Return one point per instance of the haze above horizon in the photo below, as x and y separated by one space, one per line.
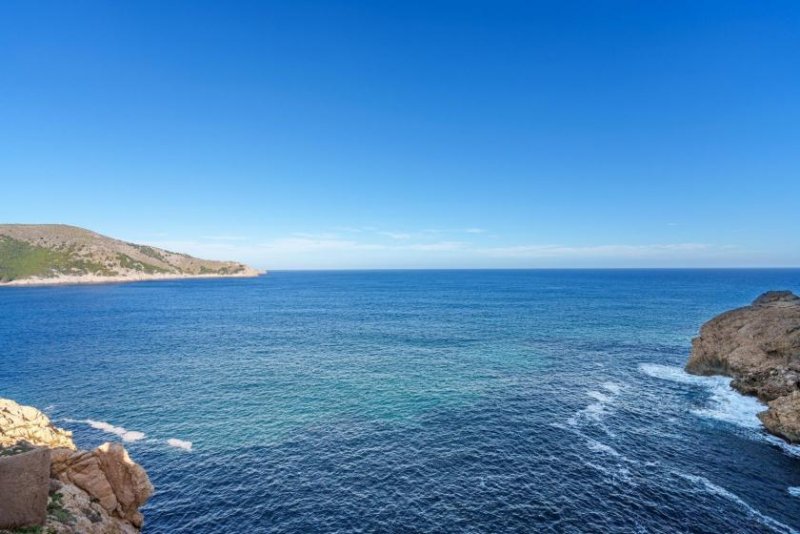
324 135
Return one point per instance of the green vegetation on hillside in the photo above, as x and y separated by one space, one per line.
149 251
19 259
126 262
221 270
58 253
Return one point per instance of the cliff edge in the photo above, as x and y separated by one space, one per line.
46 482
759 347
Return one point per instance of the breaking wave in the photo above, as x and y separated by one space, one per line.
122 432
724 404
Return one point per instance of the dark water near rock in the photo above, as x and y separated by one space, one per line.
438 401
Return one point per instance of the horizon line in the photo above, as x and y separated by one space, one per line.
369 269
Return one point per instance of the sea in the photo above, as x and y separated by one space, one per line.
485 401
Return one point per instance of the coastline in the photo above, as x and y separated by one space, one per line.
757 347
49 485
97 280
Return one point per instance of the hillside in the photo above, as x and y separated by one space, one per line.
55 253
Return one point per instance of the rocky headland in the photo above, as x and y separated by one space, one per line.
759 347
49 486
47 254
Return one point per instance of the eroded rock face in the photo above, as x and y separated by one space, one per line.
783 417
26 423
759 347
90 492
109 475
87 515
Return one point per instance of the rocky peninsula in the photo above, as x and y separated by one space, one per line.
48 486
48 254
759 347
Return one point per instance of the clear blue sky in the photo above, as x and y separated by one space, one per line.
410 134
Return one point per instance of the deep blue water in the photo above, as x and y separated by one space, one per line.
412 401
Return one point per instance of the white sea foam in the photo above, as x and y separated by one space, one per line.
673 373
595 411
122 432
623 474
719 491
129 435
597 446
725 404
794 491
179 443
125 434
599 397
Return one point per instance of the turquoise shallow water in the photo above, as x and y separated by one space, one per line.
411 401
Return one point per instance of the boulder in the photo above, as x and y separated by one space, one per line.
24 488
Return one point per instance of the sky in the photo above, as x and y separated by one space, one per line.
433 134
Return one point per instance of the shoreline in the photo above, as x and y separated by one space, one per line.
756 346
99 280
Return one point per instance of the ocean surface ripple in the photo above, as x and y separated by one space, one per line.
411 401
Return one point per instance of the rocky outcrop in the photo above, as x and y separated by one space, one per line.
759 347
93 492
783 417
26 423
81 513
109 475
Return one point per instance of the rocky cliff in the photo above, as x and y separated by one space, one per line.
59 254
46 482
759 347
